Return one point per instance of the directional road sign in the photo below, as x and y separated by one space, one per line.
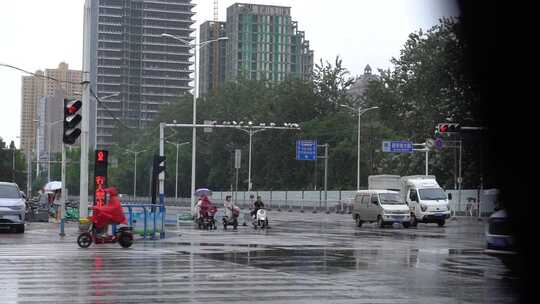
399 146
306 149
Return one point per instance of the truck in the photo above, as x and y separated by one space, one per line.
384 182
427 201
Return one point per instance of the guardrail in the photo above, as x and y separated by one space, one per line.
152 214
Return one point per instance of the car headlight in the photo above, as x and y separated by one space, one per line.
423 207
16 207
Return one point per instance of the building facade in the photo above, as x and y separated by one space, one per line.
212 57
264 44
44 84
132 61
32 90
360 85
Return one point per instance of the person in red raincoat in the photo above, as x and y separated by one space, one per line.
111 213
204 205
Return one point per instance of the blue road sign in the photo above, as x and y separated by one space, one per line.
306 149
399 146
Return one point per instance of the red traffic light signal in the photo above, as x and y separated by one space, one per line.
448 128
71 121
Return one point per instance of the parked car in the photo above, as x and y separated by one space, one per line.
12 207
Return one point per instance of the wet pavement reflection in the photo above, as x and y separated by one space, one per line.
303 258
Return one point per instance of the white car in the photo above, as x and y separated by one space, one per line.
12 207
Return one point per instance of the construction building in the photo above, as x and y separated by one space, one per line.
132 64
264 43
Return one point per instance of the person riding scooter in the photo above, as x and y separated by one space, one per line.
206 211
231 213
257 205
111 213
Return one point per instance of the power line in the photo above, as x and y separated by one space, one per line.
37 75
111 114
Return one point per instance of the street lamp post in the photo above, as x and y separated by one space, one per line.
194 140
95 117
135 171
176 180
359 112
13 154
250 132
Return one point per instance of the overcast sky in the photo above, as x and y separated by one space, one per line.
39 34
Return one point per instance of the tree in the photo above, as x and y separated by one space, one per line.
429 84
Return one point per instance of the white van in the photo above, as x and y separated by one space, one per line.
426 199
381 206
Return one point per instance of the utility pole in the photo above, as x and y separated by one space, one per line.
64 191
28 173
85 123
325 146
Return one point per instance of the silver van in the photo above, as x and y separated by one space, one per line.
382 206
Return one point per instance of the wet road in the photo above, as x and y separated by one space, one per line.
303 258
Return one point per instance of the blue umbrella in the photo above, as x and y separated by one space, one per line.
203 191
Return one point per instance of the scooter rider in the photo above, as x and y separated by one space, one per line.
258 204
229 206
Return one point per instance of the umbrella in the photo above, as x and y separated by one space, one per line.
51 186
203 191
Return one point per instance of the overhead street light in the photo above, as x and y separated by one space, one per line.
176 182
135 171
248 129
359 112
194 139
95 116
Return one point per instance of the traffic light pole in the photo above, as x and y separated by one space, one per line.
85 123
162 175
426 150
63 197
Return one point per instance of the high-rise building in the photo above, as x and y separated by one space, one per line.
31 92
49 127
68 80
132 61
264 43
208 63
42 85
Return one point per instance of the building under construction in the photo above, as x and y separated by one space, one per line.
133 64
264 43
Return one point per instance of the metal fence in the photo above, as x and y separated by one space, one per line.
469 203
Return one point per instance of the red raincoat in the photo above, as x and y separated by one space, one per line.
111 213
206 207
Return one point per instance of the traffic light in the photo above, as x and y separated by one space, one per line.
447 129
71 121
100 176
160 164
157 168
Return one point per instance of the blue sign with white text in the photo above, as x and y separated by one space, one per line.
398 146
306 149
